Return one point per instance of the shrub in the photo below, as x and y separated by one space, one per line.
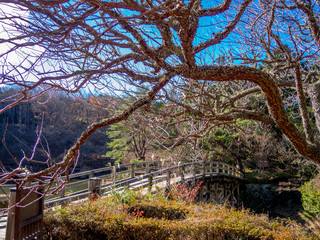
107 219
310 192
184 193
311 197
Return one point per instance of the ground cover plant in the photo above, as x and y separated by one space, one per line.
162 218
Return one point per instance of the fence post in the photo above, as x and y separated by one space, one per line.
204 169
150 178
10 219
200 193
219 168
91 174
62 192
193 168
211 167
132 171
25 220
94 186
183 169
147 168
114 174
168 178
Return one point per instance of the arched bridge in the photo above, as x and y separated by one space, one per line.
221 180
221 184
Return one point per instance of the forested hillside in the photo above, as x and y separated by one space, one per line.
60 119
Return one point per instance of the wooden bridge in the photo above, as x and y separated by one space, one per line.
221 184
221 180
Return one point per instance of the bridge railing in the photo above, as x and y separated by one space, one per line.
140 175
145 177
177 174
109 175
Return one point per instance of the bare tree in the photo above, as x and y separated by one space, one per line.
205 60
283 39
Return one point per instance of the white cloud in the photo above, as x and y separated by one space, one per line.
15 60
10 15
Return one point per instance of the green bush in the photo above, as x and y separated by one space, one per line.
162 219
310 192
311 197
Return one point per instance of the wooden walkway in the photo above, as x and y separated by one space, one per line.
151 175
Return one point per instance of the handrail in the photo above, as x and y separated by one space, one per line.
98 170
207 168
118 166
150 173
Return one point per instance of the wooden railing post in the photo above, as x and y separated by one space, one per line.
91 174
10 219
182 173
201 193
150 178
114 174
26 219
216 167
62 192
204 169
147 168
193 169
94 186
168 178
220 168
132 174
